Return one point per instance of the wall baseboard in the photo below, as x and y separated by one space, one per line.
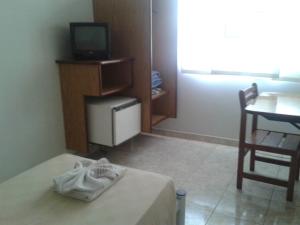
196 137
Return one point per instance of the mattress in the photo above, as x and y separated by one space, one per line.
139 198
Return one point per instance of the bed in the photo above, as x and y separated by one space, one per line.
139 198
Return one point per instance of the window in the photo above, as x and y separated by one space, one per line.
251 37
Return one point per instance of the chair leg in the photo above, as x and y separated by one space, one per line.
292 176
240 168
252 160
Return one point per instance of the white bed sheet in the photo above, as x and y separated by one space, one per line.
139 198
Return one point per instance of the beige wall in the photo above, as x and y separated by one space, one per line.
209 105
33 33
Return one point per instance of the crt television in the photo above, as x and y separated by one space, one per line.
90 41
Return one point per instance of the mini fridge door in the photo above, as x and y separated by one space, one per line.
126 123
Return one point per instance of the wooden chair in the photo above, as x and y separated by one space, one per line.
266 141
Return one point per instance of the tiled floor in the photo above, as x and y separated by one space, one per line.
207 171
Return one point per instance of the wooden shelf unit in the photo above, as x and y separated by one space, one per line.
146 30
82 79
109 90
159 95
157 119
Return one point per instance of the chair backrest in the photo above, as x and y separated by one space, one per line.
247 95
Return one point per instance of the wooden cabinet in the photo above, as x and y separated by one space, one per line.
147 31
82 79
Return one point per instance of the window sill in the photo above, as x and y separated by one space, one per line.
239 76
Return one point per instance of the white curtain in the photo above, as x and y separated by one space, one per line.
251 37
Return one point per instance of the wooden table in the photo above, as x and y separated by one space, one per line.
282 107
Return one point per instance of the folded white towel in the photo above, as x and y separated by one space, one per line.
88 179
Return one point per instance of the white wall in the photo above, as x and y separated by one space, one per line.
33 34
209 105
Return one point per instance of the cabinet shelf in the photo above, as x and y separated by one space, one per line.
111 89
95 62
157 118
157 96
82 79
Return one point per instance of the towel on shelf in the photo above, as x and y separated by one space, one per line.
156 79
156 91
88 179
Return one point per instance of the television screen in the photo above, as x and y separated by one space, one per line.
90 38
90 41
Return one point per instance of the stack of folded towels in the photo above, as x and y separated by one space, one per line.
156 79
88 179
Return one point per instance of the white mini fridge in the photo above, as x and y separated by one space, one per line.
113 120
